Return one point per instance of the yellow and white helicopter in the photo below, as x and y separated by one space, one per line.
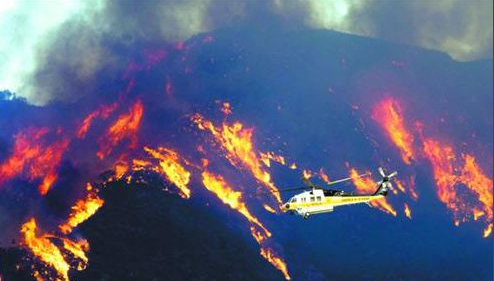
317 200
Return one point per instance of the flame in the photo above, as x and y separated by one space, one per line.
323 176
217 185
44 249
82 210
479 183
237 141
448 173
276 261
78 250
268 208
34 158
125 127
226 108
103 112
306 174
388 114
366 185
171 168
408 211
267 157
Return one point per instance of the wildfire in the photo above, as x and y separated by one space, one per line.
367 186
171 168
82 210
217 185
267 157
237 141
125 127
34 158
408 211
449 172
44 249
277 262
324 176
103 112
388 114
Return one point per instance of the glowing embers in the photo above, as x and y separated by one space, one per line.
169 165
36 155
82 210
368 186
125 127
450 170
56 254
217 185
388 114
237 142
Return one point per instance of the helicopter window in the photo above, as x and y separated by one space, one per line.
318 198
312 199
303 200
294 200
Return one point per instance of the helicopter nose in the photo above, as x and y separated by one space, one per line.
285 207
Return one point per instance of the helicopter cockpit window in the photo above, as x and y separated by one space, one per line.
294 200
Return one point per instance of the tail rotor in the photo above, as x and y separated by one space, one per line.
385 183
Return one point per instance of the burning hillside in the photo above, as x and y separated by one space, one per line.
88 189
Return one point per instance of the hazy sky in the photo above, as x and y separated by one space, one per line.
42 39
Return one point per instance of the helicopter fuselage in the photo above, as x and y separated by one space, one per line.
318 201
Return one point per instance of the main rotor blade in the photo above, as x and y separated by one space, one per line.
347 179
393 174
381 172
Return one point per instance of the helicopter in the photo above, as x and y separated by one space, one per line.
317 200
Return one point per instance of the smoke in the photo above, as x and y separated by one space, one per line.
60 50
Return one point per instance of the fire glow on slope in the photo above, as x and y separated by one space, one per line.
368 186
82 210
34 158
450 168
59 258
170 168
237 141
388 114
103 112
218 185
125 127
449 172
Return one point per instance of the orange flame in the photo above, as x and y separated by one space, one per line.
82 210
306 174
388 114
42 248
171 168
324 176
267 157
35 158
237 141
126 127
217 185
226 108
448 173
230 197
367 186
408 211
276 261
103 112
